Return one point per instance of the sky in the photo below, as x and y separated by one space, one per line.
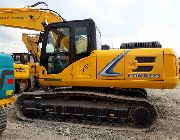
119 21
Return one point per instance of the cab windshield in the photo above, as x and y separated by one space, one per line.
58 49
58 40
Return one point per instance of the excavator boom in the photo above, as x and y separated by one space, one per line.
28 18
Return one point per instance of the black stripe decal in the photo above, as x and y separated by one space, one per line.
3 74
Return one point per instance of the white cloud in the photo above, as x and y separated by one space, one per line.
168 37
12 48
11 39
119 20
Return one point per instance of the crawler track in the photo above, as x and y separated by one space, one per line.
106 106
3 120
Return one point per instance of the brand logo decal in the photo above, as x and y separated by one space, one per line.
108 69
140 75
20 69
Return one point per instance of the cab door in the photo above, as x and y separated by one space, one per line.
57 51
144 64
65 43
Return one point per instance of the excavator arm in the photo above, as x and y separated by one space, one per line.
31 42
28 18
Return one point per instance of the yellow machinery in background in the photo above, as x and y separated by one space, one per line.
24 67
19 18
31 42
26 63
22 77
93 84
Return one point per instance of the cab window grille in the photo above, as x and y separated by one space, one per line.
143 69
135 45
145 59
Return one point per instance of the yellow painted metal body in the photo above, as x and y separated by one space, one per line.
33 68
21 71
85 72
7 102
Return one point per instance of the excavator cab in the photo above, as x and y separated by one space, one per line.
67 42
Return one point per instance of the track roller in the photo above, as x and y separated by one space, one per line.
141 116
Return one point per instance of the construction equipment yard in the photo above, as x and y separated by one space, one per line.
69 87
166 101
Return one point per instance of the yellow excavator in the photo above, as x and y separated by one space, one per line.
21 74
29 61
24 65
25 71
94 84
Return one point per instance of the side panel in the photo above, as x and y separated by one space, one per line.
123 74
85 68
171 72
110 64
144 64
61 79
21 71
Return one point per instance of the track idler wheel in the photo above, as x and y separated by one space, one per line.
142 116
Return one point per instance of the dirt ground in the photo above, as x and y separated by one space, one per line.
167 103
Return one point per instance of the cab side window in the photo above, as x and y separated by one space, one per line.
81 42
